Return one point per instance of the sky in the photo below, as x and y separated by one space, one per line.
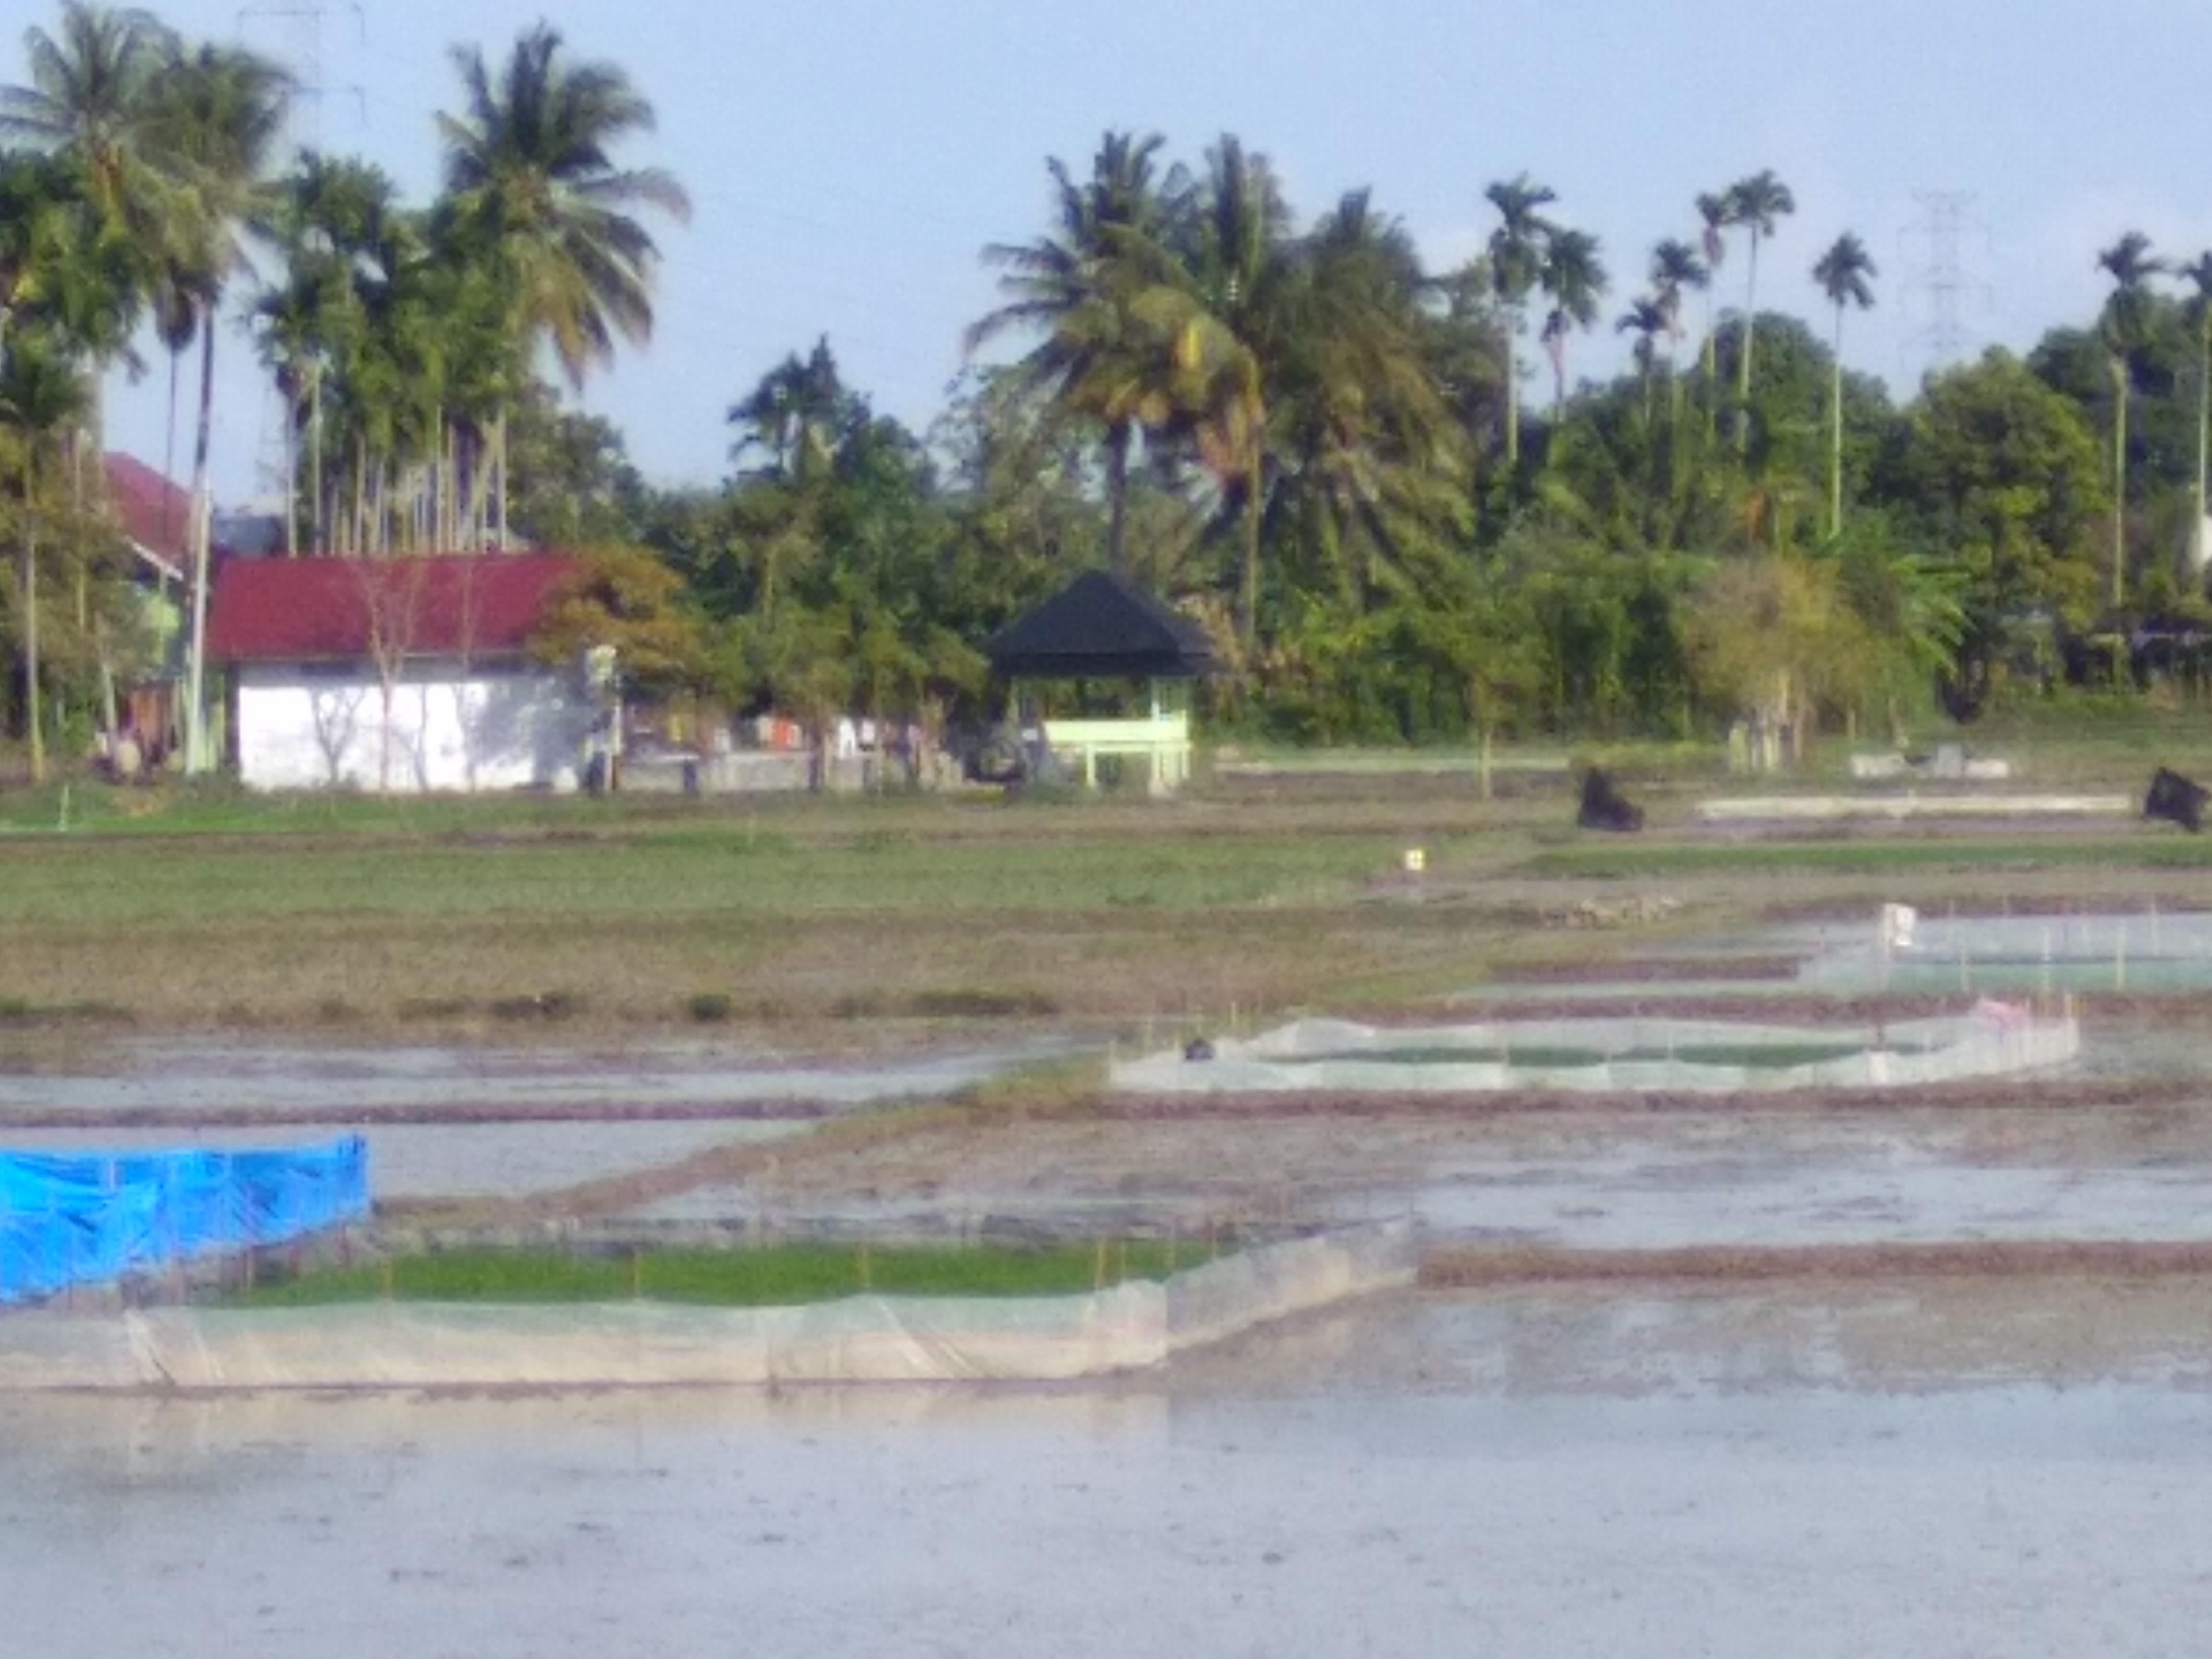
848 161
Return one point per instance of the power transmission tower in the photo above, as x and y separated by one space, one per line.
1938 284
301 22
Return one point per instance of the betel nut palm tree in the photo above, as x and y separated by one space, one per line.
1846 274
1645 319
1574 280
1675 266
1754 204
2198 275
2128 263
1517 248
534 189
42 394
1715 213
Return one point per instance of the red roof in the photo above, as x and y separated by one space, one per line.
156 513
339 609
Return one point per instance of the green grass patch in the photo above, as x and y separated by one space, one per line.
774 1276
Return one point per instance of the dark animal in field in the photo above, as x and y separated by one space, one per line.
1605 807
1197 1048
2176 799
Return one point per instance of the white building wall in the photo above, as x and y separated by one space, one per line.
317 727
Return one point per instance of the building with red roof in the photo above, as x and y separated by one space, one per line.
396 674
156 513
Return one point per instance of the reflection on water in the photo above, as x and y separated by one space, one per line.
1514 1474
180 1075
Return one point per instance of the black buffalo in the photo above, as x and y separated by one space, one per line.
1605 807
2176 799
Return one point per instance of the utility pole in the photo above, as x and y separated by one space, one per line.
303 20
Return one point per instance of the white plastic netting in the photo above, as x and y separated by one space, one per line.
1341 1056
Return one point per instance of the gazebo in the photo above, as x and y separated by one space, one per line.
1102 629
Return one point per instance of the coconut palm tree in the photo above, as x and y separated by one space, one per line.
1755 203
216 116
1080 285
2198 275
1225 311
1844 273
1574 280
1368 451
2128 263
529 166
1517 248
532 186
87 104
87 98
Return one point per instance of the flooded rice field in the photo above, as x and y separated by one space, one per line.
2145 950
1558 1475
414 1162
1571 1178
234 1077
460 1121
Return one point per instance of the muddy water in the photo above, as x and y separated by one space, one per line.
183 1075
768 1094
453 1160
1515 1476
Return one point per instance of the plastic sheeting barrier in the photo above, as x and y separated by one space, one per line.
863 1339
91 1219
1996 1039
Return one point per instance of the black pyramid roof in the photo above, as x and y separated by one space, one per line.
1101 626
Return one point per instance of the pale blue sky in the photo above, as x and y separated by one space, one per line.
848 159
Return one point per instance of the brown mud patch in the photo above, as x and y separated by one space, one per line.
1473 1266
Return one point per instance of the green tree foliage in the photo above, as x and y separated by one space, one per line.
626 598
1283 421
2003 472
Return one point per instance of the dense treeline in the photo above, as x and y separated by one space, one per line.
1380 486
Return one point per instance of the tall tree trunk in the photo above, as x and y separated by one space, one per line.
33 714
321 527
1836 432
2197 549
1708 356
2119 364
501 500
1743 365
291 475
1512 391
169 445
1248 623
1117 497
196 758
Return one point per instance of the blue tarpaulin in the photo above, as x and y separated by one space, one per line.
86 1218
